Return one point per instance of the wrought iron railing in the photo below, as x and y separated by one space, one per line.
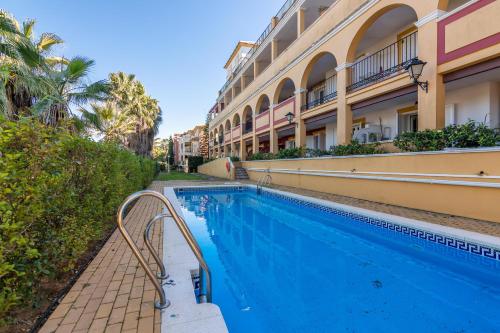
281 13
329 93
383 63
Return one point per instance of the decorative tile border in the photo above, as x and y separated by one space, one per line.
466 246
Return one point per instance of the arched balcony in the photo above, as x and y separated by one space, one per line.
385 44
320 81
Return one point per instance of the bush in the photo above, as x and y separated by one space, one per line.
428 140
194 162
355 148
468 135
235 159
58 194
291 153
261 156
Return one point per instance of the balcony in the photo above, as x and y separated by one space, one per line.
383 63
324 92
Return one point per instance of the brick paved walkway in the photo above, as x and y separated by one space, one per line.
114 294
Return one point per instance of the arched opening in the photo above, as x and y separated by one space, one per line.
320 80
263 104
383 46
236 120
381 49
285 90
221 134
247 118
228 126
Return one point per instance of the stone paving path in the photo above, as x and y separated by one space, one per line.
114 294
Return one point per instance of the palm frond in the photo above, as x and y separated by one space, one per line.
77 68
47 41
28 27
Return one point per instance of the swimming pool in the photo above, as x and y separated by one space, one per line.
285 264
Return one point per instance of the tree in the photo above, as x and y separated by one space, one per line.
23 61
109 121
171 152
69 90
35 83
130 96
160 150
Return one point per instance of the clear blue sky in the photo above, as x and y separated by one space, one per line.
176 48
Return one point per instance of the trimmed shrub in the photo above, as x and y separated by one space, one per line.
355 148
468 135
194 162
291 153
261 156
58 194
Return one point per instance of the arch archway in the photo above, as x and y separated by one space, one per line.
383 45
247 119
227 127
263 104
319 80
285 90
236 120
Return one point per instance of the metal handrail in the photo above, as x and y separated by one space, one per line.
186 233
147 240
264 181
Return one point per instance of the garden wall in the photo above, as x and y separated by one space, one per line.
458 182
218 168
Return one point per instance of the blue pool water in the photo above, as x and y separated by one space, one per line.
280 266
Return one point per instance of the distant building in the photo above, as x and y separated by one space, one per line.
187 144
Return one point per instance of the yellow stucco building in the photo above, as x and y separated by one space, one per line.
337 68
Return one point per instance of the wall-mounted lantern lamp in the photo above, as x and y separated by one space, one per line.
289 116
414 69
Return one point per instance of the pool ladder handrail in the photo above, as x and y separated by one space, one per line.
163 303
264 181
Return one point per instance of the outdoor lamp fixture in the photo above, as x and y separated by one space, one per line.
415 68
289 116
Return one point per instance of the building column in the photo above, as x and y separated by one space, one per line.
243 81
344 113
274 49
256 68
300 128
255 143
300 21
431 112
243 149
233 93
273 141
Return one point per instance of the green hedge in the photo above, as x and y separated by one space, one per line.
468 135
354 148
58 194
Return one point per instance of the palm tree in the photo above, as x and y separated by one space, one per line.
130 95
70 90
35 83
24 60
109 121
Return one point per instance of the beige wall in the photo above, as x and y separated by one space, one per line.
470 201
217 168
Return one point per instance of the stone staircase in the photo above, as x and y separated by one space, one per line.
241 173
